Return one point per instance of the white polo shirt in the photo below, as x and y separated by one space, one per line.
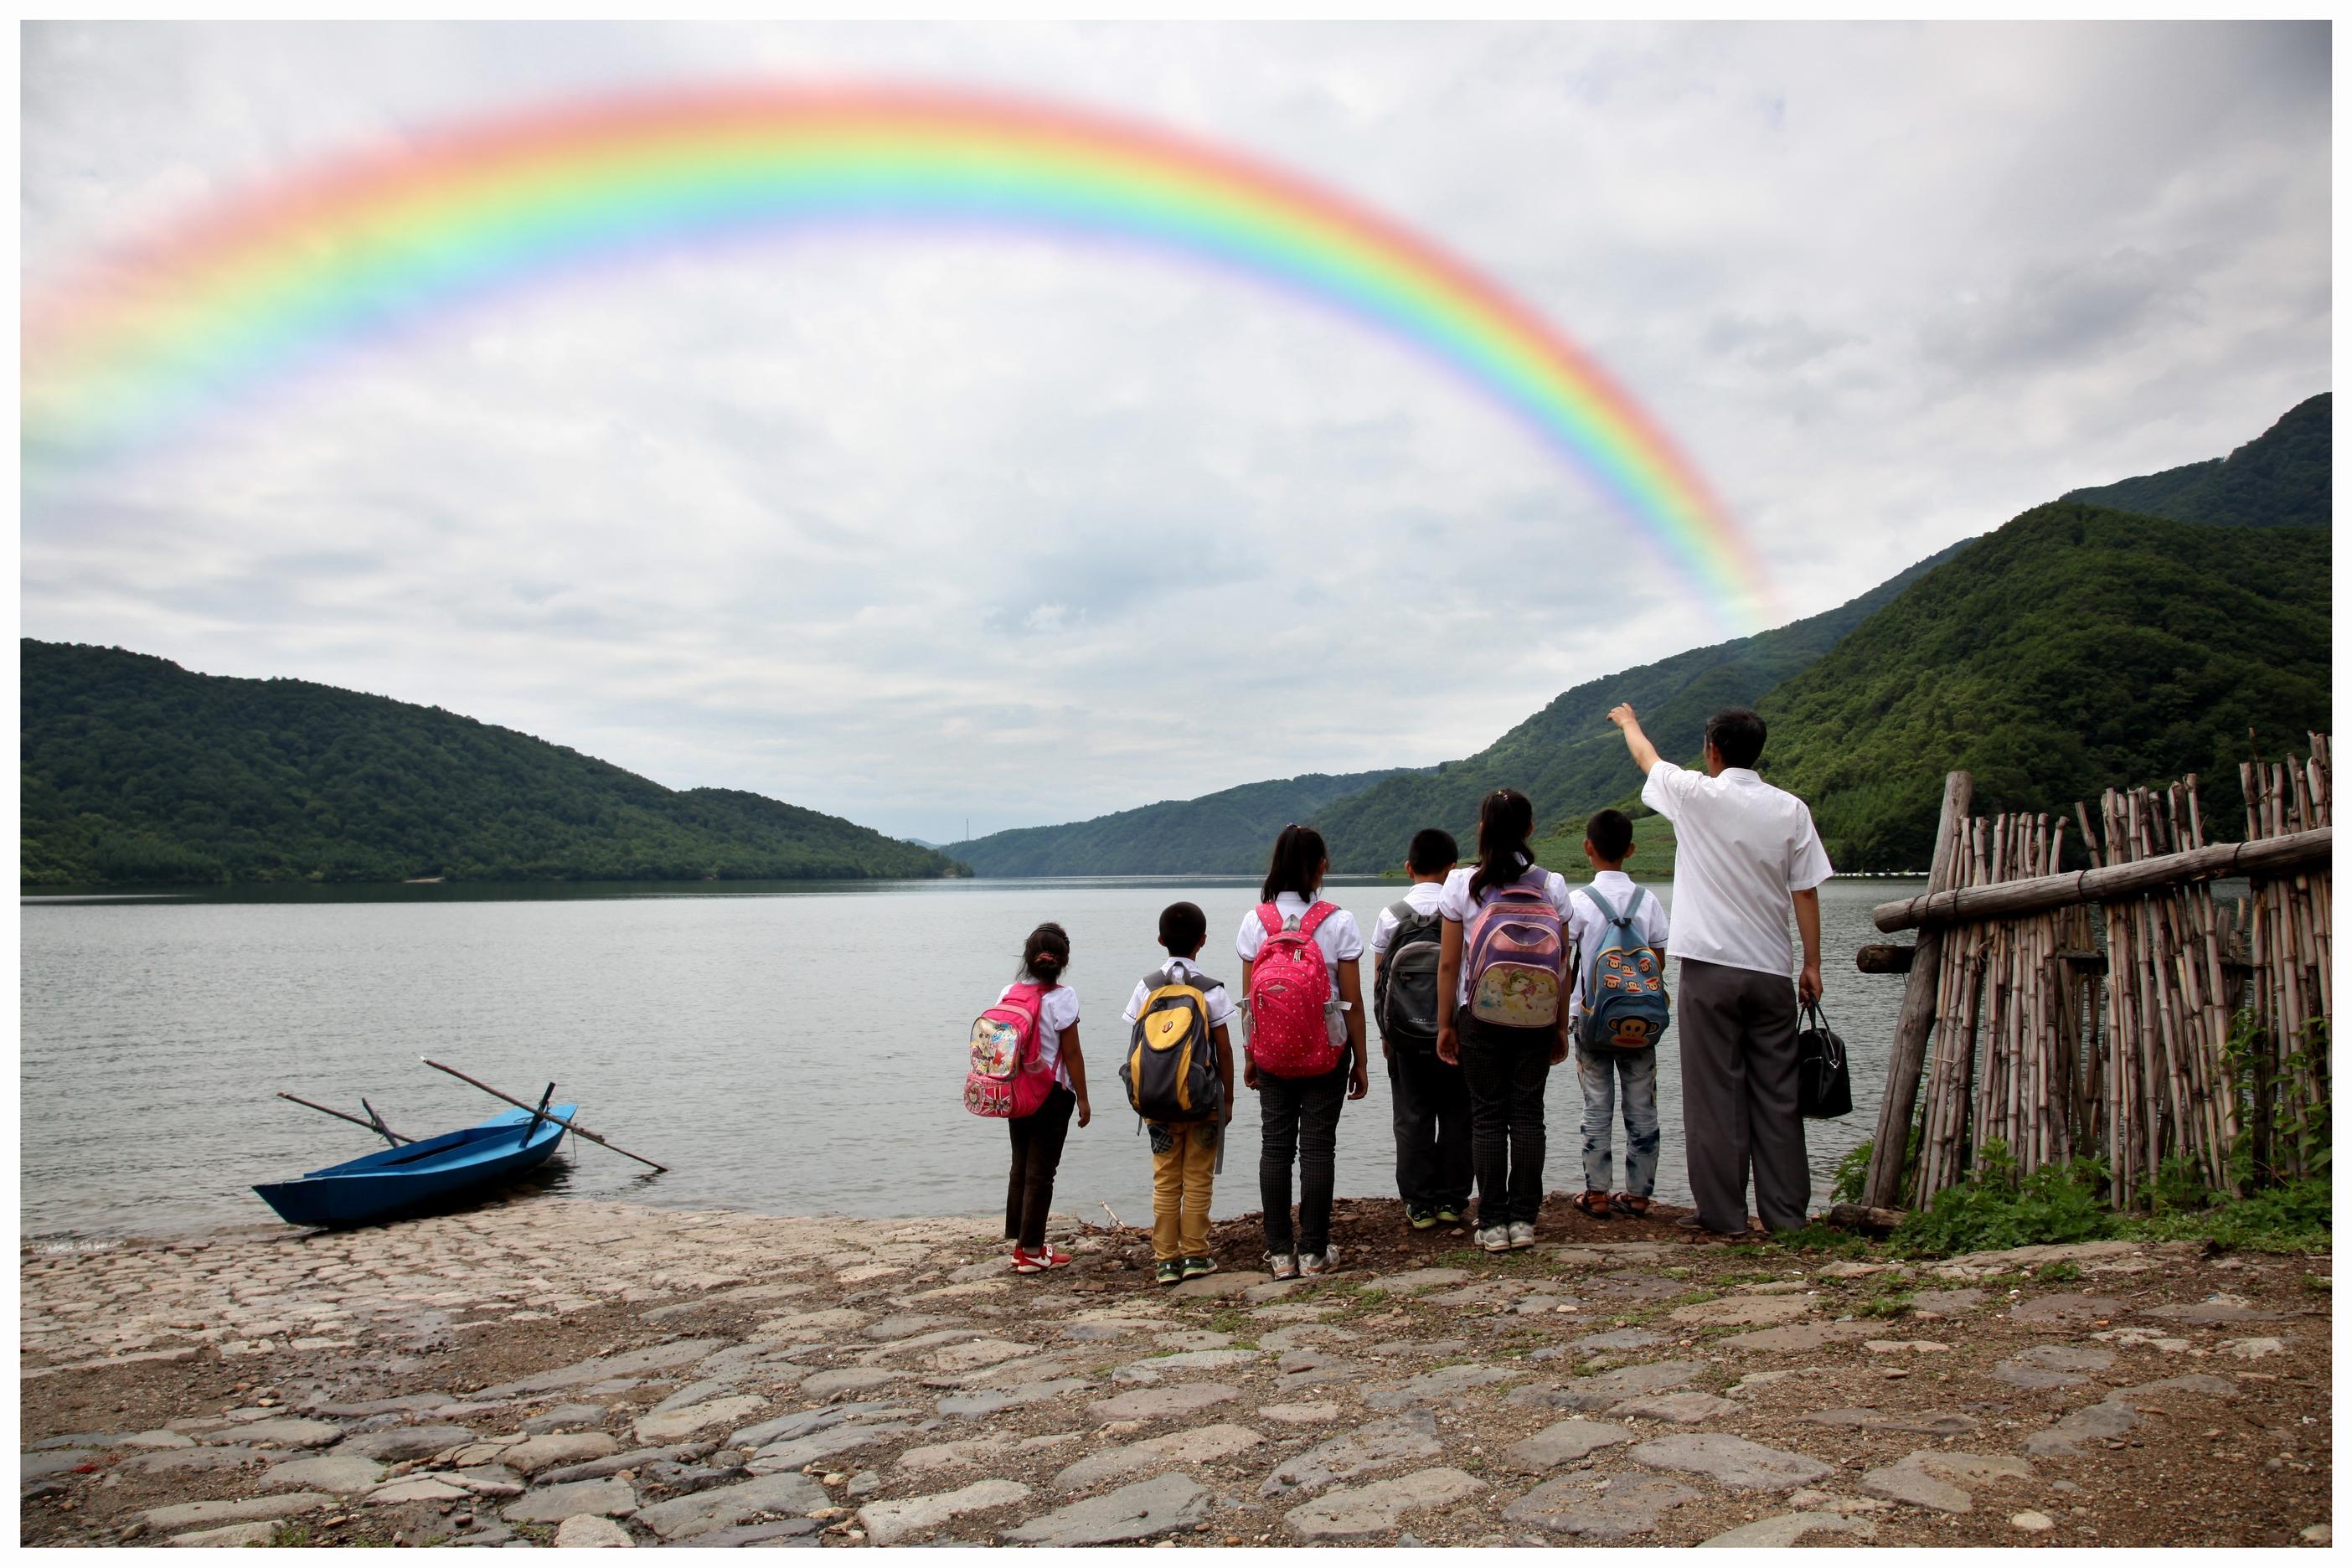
1339 936
1421 896
1587 928
1220 1006
1741 847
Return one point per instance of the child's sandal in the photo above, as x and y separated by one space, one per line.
1626 1204
1595 1203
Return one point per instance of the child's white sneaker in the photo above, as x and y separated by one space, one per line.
1523 1235
1493 1238
1323 1262
1282 1265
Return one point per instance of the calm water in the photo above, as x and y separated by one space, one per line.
785 1047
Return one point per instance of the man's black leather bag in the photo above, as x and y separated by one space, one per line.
1823 1090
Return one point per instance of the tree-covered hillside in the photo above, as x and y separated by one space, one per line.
135 770
1569 759
1227 832
2076 649
2278 479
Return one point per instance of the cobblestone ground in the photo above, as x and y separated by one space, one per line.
572 1372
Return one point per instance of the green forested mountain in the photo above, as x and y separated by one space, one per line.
1568 759
2076 649
133 769
2278 479
1229 831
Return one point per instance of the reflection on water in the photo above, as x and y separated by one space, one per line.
788 1048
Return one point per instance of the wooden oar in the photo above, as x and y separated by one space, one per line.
375 1126
526 1105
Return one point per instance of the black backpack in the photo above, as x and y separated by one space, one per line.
1404 998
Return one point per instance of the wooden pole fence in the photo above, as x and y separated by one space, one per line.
2285 854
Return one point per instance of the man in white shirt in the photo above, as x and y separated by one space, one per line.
1745 855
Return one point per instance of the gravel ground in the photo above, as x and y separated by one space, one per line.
546 1370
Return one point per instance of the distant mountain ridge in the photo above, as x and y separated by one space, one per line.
1569 759
1224 833
135 770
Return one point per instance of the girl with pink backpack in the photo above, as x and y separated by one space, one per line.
1502 1011
1043 1018
1304 1050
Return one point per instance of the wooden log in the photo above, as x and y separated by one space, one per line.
1912 1026
1866 1218
2269 856
1884 958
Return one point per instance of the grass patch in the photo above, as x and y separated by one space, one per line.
1817 1237
1234 1320
2057 1273
2295 1217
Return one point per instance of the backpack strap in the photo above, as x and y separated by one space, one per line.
1608 910
1157 978
1317 913
1270 918
1402 910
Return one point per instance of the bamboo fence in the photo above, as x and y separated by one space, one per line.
2113 1029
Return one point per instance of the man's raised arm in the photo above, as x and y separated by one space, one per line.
1645 755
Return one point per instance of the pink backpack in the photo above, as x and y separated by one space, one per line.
1009 1076
1514 956
1289 995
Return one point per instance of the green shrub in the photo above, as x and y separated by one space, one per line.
1995 1209
2297 1217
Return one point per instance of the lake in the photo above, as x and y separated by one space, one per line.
785 1047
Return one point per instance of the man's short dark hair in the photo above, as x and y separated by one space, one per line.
1739 734
1610 833
1182 929
1433 850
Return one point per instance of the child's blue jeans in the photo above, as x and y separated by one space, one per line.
1601 1075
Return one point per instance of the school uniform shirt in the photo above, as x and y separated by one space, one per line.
1220 1006
1588 928
1454 902
1421 896
1741 847
1339 936
1057 1012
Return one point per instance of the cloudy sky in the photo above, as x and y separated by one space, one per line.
921 530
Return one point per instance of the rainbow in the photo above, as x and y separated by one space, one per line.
252 290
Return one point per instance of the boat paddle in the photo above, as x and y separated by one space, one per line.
540 1111
374 1126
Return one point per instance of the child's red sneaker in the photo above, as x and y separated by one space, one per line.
1037 1262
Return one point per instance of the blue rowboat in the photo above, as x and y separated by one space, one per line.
414 1175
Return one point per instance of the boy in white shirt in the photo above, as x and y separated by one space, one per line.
1429 1098
1601 1071
1184 1154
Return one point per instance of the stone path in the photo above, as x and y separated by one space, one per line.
595 1374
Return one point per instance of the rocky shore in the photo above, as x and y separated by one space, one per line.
556 1372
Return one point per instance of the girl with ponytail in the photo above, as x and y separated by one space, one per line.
1504 937
1299 1101
1037 1138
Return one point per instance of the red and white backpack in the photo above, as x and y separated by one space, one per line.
1009 1077
1289 997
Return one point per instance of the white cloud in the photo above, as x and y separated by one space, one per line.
909 529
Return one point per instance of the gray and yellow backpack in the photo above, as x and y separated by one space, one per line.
1170 1071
